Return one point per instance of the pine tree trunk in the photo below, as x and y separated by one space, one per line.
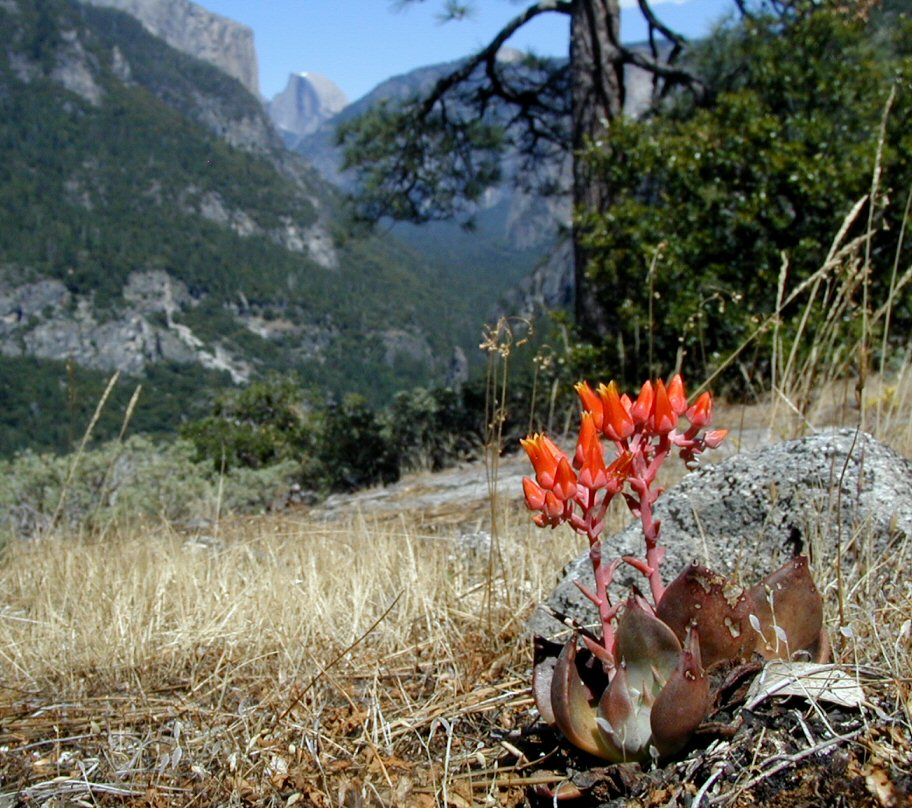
598 99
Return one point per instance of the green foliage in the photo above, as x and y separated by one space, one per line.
354 452
346 444
712 198
420 165
46 405
119 483
429 429
265 423
332 446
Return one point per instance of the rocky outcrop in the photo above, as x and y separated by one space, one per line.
400 344
44 319
75 69
307 100
314 239
197 32
548 288
832 494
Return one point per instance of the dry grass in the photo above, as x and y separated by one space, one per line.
284 657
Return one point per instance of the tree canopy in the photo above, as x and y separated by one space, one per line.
717 206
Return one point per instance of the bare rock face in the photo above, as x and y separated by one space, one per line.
835 491
75 69
307 100
197 32
44 319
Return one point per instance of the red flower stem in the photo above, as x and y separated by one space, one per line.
639 565
603 575
603 508
645 476
586 591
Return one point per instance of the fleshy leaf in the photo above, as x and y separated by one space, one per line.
648 651
717 607
788 600
573 702
683 703
623 719
647 648
545 658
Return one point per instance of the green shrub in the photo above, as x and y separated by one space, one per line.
710 200
265 423
120 483
352 448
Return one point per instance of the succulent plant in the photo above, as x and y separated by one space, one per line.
640 689
658 691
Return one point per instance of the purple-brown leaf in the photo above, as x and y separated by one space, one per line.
573 702
683 702
702 599
789 613
544 660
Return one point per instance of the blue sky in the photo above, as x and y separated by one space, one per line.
359 43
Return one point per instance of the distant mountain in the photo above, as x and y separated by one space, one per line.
318 143
306 102
151 222
514 232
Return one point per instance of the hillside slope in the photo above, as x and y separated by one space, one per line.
149 216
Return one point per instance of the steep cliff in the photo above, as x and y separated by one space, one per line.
197 32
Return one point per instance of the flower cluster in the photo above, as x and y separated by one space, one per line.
644 431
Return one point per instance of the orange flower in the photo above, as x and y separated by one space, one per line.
564 481
618 425
664 417
593 473
641 409
591 402
545 457
713 438
552 512
588 433
554 508
535 494
676 395
700 414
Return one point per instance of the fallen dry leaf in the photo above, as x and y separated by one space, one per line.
809 680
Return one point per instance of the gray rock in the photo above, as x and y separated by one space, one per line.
458 369
748 514
400 344
307 100
75 69
19 303
155 291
